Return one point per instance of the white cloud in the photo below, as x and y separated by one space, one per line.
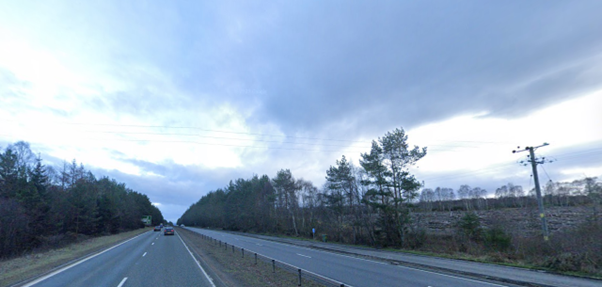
475 142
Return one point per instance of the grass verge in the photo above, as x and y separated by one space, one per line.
19 269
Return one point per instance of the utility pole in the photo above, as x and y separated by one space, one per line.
534 162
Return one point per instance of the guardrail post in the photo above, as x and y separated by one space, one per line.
299 277
273 266
255 258
226 243
232 248
243 252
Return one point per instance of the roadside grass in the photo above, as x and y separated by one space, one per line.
26 267
235 270
496 259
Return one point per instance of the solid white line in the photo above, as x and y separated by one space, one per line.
197 263
122 282
76 263
315 274
457 277
144 254
373 261
303 255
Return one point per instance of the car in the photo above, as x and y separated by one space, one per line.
157 228
169 231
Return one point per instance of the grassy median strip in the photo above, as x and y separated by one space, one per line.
234 270
22 268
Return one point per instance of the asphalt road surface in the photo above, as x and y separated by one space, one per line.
150 259
520 276
349 270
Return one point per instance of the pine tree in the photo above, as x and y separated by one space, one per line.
8 174
389 179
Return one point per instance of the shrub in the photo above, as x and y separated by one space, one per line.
496 239
470 226
566 262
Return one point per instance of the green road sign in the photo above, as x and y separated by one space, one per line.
147 219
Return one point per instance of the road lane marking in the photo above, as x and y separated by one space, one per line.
153 243
303 255
76 263
376 262
258 244
144 254
197 263
372 261
457 277
122 282
307 271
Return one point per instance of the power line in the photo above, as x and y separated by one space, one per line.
200 129
544 170
464 174
256 134
579 153
224 138
204 143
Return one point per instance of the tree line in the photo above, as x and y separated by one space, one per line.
43 207
585 191
369 204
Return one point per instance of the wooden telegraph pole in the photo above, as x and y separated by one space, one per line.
534 163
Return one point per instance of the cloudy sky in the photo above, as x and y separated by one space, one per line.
176 98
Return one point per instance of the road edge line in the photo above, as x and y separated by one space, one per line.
417 266
197 262
38 280
284 263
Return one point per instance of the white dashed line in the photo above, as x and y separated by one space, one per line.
303 255
153 243
122 282
76 263
144 254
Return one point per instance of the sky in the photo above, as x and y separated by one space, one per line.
177 98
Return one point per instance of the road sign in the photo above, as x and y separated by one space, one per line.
148 220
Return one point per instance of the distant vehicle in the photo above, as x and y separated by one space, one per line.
168 231
182 225
157 228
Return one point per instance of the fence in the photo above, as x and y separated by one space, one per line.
273 263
